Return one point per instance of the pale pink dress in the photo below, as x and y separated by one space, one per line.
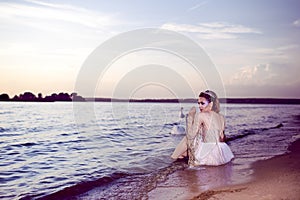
203 144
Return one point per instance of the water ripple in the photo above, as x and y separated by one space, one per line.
44 153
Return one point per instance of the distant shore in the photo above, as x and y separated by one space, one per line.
29 97
193 100
222 100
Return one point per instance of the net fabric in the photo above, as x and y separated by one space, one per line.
201 152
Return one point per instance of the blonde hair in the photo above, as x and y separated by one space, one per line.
212 97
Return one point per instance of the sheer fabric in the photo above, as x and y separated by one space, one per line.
203 144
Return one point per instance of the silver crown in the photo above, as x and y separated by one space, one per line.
209 94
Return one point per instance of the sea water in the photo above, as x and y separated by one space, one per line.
121 150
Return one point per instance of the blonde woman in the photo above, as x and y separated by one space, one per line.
204 142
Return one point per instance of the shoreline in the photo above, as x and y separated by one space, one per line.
274 178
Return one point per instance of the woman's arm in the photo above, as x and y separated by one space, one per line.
197 123
192 119
222 134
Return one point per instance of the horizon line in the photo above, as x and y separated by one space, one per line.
7 97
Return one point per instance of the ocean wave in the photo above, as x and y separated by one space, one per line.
50 145
134 186
80 188
118 185
8 130
26 144
247 132
6 112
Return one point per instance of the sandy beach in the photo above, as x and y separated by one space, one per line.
275 178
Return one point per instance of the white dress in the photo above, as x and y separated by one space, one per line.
212 153
205 149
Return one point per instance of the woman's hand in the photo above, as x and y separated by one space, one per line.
223 137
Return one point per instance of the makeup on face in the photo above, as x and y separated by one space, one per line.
203 103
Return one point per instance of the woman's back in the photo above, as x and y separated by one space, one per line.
204 141
211 126
209 148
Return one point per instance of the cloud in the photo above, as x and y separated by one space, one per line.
266 74
265 80
60 6
288 47
259 74
36 13
297 23
255 91
279 54
214 30
41 29
197 6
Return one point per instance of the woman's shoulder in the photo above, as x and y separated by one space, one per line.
210 114
221 117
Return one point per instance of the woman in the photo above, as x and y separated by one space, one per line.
204 141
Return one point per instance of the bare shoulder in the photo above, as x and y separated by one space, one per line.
221 117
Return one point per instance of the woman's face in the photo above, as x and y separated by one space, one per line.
204 105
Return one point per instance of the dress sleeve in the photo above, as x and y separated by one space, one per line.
196 124
193 126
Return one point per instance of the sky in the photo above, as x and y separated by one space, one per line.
254 46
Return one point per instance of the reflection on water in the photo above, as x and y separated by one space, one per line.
45 150
211 177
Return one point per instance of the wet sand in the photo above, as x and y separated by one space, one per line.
275 178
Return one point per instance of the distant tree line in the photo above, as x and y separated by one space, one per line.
28 96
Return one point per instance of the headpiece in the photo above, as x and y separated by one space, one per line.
208 94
